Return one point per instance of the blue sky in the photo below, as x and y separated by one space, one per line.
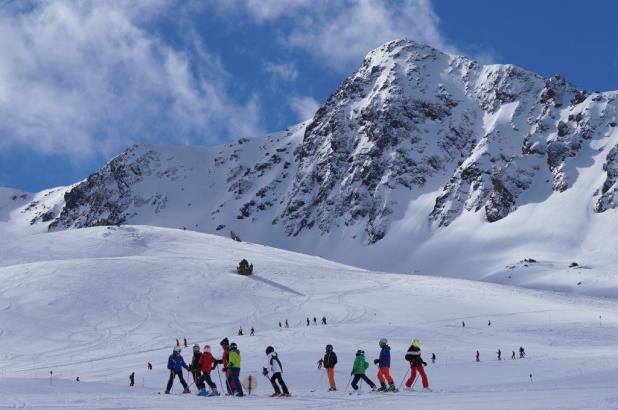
82 80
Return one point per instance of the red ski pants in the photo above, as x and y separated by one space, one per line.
421 371
384 374
331 377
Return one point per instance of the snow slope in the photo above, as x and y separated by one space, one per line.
420 162
101 302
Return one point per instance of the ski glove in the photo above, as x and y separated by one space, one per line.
424 363
264 371
376 361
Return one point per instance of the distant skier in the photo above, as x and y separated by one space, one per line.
499 354
275 368
185 339
206 364
433 358
132 379
194 367
234 363
175 364
308 322
225 345
149 366
358 371
323 320
384 364
77 379
416 365
489 323
240 331
330 361
463 324
279 325
513 355
177 343
287 325
478 356
315 321
252 333
522 353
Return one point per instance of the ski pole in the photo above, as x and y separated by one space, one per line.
404 378
348 385
219 373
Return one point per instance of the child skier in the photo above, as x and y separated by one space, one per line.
225 345
358 371
384 364
194 367
274 364
234 363
175 364
417 365
206 364
330 360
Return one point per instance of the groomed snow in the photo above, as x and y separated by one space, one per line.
100 303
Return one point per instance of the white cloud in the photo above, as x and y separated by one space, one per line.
286 71
84 78
341 33
304 107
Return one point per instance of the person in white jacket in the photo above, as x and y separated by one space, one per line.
274 364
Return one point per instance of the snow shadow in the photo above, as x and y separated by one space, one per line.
275 285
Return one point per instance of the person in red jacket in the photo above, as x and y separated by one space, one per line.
229 384
207 363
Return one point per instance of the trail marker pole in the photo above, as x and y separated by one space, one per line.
50 376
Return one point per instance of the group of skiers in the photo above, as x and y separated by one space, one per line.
522 354
203 363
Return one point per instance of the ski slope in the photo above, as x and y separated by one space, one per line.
99 303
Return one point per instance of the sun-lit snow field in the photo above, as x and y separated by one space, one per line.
100 303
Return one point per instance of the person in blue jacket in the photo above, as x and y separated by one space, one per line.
384 364
175 364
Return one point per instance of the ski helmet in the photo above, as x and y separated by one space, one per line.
225 342
329 348
206 348
360 352
177 349
233 346
383 342
270 349
416 343
196 348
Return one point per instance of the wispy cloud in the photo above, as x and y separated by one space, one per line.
285 71
304 107
84 78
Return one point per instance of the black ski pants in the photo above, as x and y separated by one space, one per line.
276 377
358 377
173 374
197 378
206 378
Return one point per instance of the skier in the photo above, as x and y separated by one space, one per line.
416 365
194 367
308 322
315 321
287 325
358 371
149 366
513 355
433 358
234 362
175 364
522 354
384 364
132 379
323 320
225 345
499 354
177 342
279 325
489 323
463 324
206 364
330 361
276 369
478 356
185 339
240 331
77 379
252 333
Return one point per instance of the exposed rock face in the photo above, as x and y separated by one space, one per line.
410 121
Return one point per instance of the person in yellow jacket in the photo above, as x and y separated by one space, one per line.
234 367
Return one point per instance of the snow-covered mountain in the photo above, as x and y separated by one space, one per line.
420 161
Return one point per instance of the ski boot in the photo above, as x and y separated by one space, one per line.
213 393
275 395
382 387
202 392
393 388
332 389
167 392
186 391
427 390
284 395
374 389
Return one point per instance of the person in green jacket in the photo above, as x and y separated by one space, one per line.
358 371
234 365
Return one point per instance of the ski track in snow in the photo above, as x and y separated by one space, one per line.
103 317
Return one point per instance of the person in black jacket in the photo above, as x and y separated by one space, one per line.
194 367
417 365
330 360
